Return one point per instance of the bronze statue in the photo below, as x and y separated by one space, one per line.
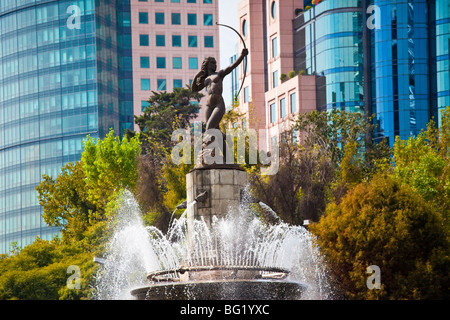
213 82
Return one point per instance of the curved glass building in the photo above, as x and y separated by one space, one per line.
400 69
440 18
328 42
387 58
64 66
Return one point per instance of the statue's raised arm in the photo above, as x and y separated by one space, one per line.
238 61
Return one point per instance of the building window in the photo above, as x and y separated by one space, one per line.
282 108
273 141
275 79
177 63
144 104
207 1
272 113
143 40
143 17
177 83
145 84
191 1
159 0
176 41
175 1
246 94
192 41
274 47
273 10
294 136
162 84
176 18
293 98
160 40
208 19
161 62
244 28
145 62
209 42
192 19
193 63
159 17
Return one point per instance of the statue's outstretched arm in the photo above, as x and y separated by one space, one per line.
230 68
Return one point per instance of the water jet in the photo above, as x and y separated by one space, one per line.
232 255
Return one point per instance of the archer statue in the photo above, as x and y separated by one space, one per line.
213 82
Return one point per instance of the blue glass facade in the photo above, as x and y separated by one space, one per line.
60 79
328 43
440 17
400 74
397 69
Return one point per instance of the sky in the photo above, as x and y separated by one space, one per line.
229 40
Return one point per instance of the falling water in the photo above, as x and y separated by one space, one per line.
240 239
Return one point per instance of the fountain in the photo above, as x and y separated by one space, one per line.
218 248
234 257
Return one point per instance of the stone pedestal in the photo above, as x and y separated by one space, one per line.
222 184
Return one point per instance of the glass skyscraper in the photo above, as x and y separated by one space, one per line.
328 42
65 72
400 68
396 69
440 66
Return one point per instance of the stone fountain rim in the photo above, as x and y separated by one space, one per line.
155 276
192 284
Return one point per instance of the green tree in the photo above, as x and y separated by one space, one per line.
77 198
39 272
167 112
231 116
298 190
423 162
386 223
110 165
333 130
161 184
335 153
347 138
65 200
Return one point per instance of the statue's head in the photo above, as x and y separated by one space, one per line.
209 65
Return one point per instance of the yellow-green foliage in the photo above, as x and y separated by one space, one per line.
110 165
39 272
386 223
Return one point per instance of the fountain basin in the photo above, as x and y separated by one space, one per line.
220 283
222 290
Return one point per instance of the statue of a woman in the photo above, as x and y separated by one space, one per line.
213 81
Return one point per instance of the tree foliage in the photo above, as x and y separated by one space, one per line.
397 219
298 190
77 198
386 223
161 184
40 272
65 199
110 165
424 162
167 112
335 153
